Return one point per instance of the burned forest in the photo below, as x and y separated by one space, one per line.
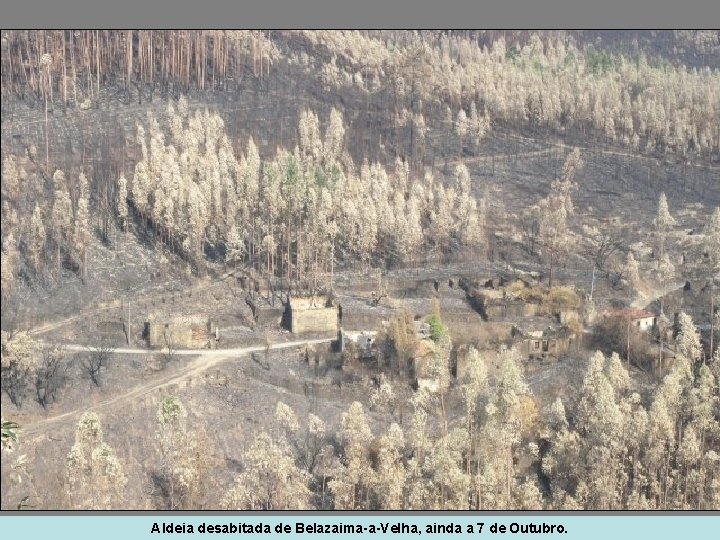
360 270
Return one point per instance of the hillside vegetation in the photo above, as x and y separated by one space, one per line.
457 197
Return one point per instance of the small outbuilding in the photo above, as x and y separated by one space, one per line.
645 320
316 313
421 362
365 342
542 344
179 332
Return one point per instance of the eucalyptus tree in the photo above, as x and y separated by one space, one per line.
95 478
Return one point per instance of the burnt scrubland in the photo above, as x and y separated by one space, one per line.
409 270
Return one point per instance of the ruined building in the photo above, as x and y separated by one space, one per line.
315 313
190 332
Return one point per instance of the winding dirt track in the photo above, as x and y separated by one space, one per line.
205 360
209 358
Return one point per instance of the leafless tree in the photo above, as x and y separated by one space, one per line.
50 374
600 248
530 225
19 361
98 358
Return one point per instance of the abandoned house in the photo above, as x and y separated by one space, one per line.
112 330
568 316
179 332
265 312
315 313
364 341
422 365
645 320
493 304
541 344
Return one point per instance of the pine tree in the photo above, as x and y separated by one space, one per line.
184 459
309 131
82 223
461 125
555 209
13 175
617 375
441 218
8 265
334 137
557 417
19 364
390 477
509 412
141 188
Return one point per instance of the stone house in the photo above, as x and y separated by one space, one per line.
112 330
494 304
541 344
643 319
568 317
188 332
364 341
421 360
265 312
315 313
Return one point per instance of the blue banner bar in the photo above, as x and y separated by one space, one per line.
362 526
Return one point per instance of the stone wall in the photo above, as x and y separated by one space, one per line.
543 347
179 335
269 316
512 309
363 320
312 314
495 332
464 327
314 320
111 329
184 332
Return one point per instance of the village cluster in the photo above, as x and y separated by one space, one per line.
512 309
358 270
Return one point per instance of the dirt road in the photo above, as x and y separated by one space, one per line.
205 360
